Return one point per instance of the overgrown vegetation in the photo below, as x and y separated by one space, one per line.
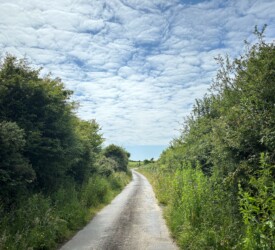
54 172
217 178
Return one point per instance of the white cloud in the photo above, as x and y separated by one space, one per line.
135 65
92 26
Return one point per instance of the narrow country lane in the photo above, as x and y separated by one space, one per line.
133 221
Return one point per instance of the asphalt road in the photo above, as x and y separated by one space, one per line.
133 221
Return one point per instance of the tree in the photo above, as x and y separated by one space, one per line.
87 147
146 161
246 124
119 155
15 171
41 107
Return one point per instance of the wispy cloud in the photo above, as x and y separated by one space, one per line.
136 66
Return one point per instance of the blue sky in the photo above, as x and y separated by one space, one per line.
136 66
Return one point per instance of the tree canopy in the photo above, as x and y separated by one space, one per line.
43 144
119 155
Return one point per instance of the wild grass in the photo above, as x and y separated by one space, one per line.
45 222
199 213
134 164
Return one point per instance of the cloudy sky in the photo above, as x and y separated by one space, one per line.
136 66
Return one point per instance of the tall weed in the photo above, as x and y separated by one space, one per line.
118 180
208 212
96 191
33 226
199 212
69 209
257 206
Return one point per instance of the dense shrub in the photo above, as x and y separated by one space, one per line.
119 155
106 166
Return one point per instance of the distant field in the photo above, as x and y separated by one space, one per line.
134 164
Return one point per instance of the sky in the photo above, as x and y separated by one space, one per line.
136 66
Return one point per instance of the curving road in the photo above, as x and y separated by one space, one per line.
133 221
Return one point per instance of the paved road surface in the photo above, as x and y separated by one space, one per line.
133 221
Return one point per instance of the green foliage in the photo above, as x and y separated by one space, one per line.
160 180
44 222
52 143
233 124
106 166
87 148
208 217
96 191
15 171
40 107
119 155
133 164
33 226
118 180
257 206
198 210
99 188
69 209
146 162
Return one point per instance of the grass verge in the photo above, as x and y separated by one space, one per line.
41 222
198 211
